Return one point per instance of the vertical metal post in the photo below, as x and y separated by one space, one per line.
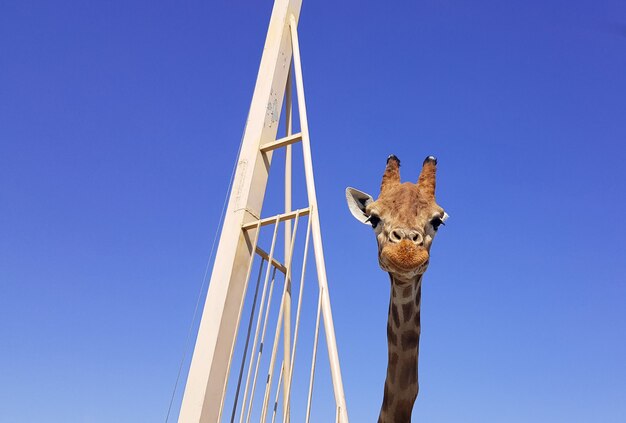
287 304
281 312
299 309
329 327
256 333
313 357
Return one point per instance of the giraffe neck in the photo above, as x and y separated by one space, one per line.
403 332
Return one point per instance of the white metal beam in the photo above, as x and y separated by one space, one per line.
203 399
281 218
286 141
329 328
206 383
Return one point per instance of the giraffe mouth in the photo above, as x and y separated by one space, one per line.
404 257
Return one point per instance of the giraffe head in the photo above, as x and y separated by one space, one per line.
405 218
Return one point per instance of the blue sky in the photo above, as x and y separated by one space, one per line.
119 127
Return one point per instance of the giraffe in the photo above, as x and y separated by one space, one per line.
405 219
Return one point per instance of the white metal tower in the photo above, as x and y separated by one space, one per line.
206 386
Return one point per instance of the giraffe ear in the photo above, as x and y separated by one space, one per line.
357 202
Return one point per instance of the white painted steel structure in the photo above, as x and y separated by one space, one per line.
206 387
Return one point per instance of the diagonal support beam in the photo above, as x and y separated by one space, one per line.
263 254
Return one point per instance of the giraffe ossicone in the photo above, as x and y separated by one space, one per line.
405 218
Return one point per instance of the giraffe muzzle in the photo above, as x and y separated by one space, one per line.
404 257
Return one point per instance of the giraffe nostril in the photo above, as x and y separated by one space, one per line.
395 235
417 238
398 235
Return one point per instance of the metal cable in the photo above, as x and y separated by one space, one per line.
258 359
296 330
204 278
279 323
245 348
269 299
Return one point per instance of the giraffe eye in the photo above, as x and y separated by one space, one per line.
436 222
373 220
